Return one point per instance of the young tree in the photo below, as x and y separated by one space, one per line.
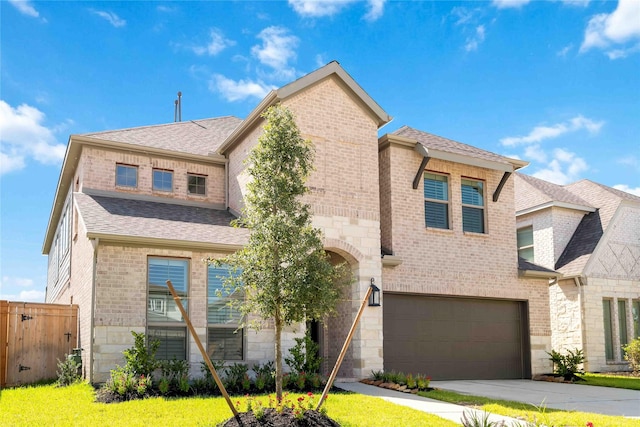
283 271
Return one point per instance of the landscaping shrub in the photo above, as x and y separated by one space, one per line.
304 355
566 364
632 354
141 358
68 371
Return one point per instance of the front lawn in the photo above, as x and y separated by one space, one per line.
75 405
617 381
526 412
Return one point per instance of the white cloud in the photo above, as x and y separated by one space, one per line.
509 4
619 27
564 51
111 17
577 3
23 135
17 281
463 15
25 296
540 133
473 42
534 152
278 48
627 189
631 161
376 9
238 90
565 167
217 44
322 8
25 7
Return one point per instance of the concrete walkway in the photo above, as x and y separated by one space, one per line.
444 410
570 397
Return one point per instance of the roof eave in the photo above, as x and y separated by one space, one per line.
555 204
470 160
153 241
540 274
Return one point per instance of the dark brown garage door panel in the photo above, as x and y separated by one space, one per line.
455 338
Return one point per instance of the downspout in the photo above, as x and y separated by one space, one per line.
94 242
226 184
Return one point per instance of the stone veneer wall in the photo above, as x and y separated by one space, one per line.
99 173
452 262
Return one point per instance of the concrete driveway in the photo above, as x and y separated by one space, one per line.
572 397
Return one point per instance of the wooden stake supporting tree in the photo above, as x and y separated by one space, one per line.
332 377
205 356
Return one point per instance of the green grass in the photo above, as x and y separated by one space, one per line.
526 412
75 406
603 380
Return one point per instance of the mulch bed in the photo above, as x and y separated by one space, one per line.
286 418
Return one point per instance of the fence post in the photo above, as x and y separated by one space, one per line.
4 325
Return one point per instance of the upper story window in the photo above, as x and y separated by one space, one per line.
162 180
525 243
472 205
436 200
196 184
126 176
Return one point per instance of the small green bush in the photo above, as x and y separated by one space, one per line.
566 364
304 355
632 354
141 358
67 371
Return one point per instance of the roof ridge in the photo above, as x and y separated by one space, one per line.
548 188
136 128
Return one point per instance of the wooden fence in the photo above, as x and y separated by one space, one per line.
33 336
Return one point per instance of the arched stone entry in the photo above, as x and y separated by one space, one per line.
332 333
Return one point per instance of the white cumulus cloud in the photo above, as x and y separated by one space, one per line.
509 4
322 8
540 133
22 135
478 37
620 27
565 168
110 17
23 282
25 7
277 49
217 44
233 90
623 187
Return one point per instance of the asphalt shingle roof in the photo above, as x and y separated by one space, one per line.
450 146
523 264
532 192
195 136
126 217
581 246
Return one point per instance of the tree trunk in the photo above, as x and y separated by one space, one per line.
278 337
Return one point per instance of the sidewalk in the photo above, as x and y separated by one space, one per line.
444 410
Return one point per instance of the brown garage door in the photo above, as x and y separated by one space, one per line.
456 338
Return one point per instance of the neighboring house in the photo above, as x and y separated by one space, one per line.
590 233
428 220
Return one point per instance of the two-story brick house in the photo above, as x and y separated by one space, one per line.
135 207
590 233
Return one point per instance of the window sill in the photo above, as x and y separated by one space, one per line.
471 233
439 230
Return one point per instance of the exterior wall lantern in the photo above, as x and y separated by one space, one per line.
374 297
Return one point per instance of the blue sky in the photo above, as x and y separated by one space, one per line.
556 83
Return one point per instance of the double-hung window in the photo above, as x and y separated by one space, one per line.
162 180
525 243
225 341
472 205
635 315
436 200
196 184
126 176
164 321
607 314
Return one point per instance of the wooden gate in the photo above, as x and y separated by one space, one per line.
33 336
